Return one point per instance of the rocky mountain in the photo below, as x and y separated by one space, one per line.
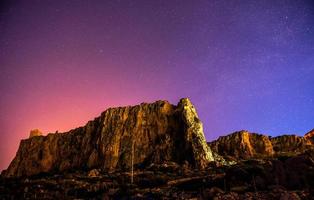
141 135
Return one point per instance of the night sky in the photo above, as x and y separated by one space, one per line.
244 64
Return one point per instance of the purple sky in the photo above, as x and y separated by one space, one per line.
244 64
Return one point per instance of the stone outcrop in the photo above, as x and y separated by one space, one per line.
35 132
243 145
290 144
154 133
194 135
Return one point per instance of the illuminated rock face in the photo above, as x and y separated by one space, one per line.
159 131
243 145
291 144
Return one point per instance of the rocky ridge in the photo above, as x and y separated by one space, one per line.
143 134
290 144
246 145
242 145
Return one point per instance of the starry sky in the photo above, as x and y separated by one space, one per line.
244 64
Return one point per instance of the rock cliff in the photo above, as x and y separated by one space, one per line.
243 145
153 133
290 144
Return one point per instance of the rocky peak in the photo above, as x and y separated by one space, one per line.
143 134
194 133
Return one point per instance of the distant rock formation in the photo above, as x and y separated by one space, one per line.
290 144
159 131
243 145
35 132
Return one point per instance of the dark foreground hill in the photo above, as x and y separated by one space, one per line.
158 151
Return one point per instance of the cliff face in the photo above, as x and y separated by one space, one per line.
159 132
290 143
243 145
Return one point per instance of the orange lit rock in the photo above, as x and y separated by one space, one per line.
290 144
160 132
35 132
243 145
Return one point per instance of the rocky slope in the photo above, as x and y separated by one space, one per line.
153 133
